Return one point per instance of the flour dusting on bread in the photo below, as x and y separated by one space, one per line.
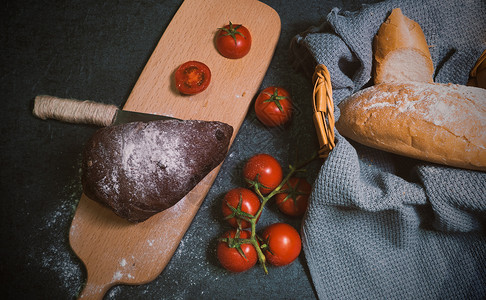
139 169
442 123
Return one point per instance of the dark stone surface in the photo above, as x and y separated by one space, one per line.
96 50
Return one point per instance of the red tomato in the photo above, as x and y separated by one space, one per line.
233 41
265 170
245 199
273 106
284 244
231 259
192 77
293 201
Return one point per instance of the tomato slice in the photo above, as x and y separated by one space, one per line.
192 77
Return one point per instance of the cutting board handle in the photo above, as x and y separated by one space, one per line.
92 291
74 111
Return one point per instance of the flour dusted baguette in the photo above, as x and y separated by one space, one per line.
440 123
401 52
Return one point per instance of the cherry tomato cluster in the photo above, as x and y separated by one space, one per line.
232 41
278 244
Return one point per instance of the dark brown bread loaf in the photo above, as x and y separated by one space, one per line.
139 169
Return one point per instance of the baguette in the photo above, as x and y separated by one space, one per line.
400 51
439 123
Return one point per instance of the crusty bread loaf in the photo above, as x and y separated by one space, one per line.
440 123
139 169
400 51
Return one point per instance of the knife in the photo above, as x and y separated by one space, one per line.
87 112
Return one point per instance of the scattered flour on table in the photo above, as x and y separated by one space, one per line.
55 255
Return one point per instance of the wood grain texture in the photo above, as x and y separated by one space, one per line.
115 251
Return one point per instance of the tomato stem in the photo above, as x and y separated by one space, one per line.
232 31
254 242
275 98
264 200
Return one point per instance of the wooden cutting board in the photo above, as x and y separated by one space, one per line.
115 251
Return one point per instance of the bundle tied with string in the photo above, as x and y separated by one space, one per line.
74 111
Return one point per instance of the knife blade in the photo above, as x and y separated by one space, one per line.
127 116
87 112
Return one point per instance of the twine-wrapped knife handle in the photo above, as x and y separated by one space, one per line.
74 111
323 107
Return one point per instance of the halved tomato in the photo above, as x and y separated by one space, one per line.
192 77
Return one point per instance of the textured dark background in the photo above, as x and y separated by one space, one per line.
96 50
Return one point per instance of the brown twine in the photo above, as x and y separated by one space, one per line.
323 110
74 111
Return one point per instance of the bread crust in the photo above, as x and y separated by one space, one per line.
400 33
440 123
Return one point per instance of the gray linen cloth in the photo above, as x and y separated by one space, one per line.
383 226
